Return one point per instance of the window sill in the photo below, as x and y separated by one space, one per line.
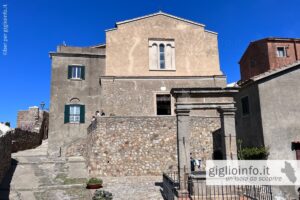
73 123
76 79
162 70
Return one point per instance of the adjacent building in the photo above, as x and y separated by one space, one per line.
268 101
268 54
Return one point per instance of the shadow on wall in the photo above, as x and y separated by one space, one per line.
5 184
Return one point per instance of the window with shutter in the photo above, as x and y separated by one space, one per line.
76 72
82 72
74 113
67 114
82 114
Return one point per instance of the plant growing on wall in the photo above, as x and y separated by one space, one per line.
252 153
94 183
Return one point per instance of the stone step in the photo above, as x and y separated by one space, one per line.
46 187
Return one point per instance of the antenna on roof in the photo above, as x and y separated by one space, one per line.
64 43
160 8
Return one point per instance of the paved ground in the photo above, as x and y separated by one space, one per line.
35 177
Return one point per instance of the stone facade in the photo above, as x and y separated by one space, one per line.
5 153
261 56
66 91
118 78
135 146
23 139
196 49
137 96
34 120
27 119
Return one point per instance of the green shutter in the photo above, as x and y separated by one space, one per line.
82 72
69 72
67 114
82 113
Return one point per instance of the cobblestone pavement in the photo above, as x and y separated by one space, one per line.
134 188
33 176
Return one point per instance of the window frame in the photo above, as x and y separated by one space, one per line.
284 51
169 45
162 56
79 76
74 115
77 70
155 102
67 113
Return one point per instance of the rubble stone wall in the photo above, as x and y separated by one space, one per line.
5 153
76 148
32 128
136 146
23 139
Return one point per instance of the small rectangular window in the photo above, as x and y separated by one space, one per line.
245 105
281 52
163 104
76 72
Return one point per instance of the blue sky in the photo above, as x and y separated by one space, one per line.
38 26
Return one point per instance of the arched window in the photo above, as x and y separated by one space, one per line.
162 63
168 56
161 54
153 55
74 111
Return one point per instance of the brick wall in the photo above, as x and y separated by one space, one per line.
133 146
255 60
261 56
291 51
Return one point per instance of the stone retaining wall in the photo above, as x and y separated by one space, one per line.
23 139
135 146
5 153
32 129
76 148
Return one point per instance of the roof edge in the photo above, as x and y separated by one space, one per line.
270 73
160 13
278 39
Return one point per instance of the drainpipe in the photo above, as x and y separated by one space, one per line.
295 47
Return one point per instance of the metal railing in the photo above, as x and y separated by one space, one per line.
198 190
170 185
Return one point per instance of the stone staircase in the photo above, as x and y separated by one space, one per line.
33 176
